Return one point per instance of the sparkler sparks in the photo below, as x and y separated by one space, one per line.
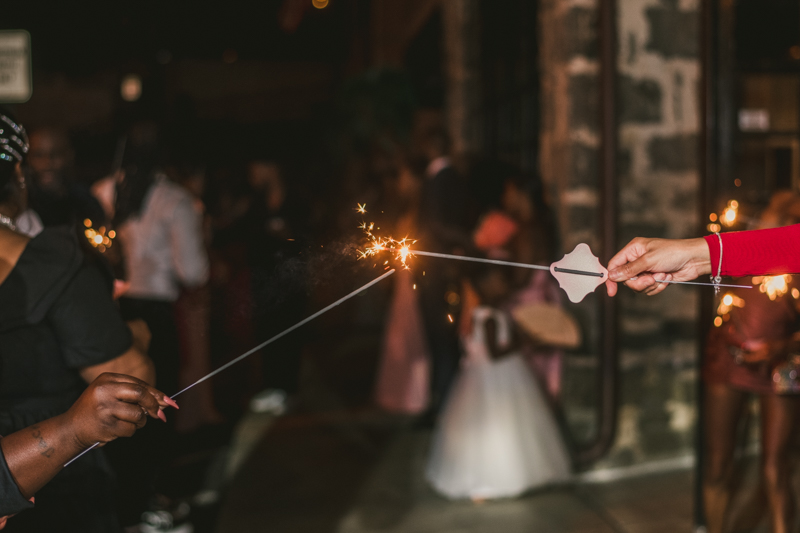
376 244
773 286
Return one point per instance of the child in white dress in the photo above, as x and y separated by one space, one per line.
496 436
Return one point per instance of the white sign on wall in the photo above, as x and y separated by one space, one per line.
15 66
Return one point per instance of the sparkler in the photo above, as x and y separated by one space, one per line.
262 345
402 248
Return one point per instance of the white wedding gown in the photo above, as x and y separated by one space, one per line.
496 436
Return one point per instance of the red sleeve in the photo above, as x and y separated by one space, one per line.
757 252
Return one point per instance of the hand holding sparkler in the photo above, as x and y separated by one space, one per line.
647 265
644 265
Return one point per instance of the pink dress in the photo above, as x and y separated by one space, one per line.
404 370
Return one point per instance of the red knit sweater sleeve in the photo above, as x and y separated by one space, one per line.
757 252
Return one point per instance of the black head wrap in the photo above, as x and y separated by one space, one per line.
13 141
13 147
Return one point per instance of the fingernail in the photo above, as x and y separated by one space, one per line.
161 415
614 275
169 401
634 278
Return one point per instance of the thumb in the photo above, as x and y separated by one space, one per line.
630 270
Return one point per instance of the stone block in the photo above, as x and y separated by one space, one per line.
624 162
680 329
583 93
639 101
673 33
585 166
686 203
580 33
673 154
582 218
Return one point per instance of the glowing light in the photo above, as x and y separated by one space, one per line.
376 244
713 228
729 217
775 286
319 4
98 237
712 217
718 321
415 287
727 303
737 182
730 214
450 318
131 88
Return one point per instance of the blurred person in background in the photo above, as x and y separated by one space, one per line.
160 233
54 194
59 330
193 315
751 352
523 201
445 227
496 436
231 321
274 229
403 379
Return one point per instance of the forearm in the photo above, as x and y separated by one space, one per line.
37 453
131 363
758 252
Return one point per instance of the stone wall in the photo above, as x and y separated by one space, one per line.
658 113
658 97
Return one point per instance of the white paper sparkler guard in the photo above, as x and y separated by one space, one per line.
578 286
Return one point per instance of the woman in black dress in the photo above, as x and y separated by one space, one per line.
59 330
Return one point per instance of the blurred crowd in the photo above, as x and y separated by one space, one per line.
198 260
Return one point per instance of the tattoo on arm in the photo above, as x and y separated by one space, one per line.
44 448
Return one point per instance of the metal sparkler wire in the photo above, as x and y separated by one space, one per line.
262 345
707 284
542 267
481 260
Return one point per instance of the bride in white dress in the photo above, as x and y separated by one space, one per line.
496 436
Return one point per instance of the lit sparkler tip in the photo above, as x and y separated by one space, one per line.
362 208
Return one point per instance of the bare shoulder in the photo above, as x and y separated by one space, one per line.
12 245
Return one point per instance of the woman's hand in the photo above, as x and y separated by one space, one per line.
115 405
642 263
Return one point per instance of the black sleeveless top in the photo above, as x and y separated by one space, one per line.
57 316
